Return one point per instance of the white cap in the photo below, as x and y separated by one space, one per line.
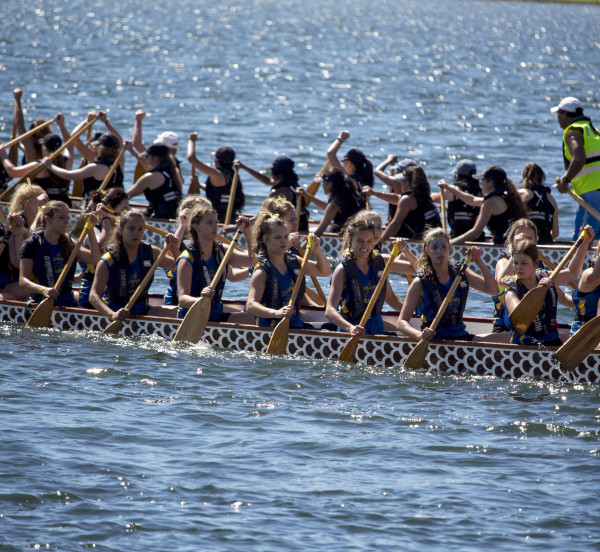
569 104
169 139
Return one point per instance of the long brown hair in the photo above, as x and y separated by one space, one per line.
115 245
424 264
533 175
49 211
196 216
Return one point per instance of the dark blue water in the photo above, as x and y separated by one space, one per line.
119 444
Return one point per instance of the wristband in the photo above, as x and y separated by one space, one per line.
340 140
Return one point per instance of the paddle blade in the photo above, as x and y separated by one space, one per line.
416 358
114 328
42 315
579 345
139 171
279 338
348 353
529 307
194 323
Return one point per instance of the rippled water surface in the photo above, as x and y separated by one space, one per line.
119 444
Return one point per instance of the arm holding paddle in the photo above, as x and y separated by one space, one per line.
69 151
217 178
258 175
484 283
574 267
380 173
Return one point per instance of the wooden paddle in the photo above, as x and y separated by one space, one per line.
348 353
529 307
194 184
416 358
279 337
139 171
594 212
42 315
78 184
318 297
232 192
115 327
552 266
147 226
27 134
579 345
314 185
33 173
13 153
443 206
194 323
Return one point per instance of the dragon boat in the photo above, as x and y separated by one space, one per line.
384 351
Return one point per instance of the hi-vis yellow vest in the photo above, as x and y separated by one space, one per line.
588 178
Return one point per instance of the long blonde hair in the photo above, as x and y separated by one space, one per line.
24 193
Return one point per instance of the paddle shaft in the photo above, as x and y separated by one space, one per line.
316 283
279 337
552 266
443 206
140 289
226 258
314 185
366 315
232 193
349 351
63 275
29 133
298 283
594 212
112 170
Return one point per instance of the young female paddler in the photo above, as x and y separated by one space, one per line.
433 282
527 276
122 268
199 262
45 253
275 274
356 277
499 207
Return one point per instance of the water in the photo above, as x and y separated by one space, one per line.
120 444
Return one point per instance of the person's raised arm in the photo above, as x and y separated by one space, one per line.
573 270
319 267
216 176
136 138
486 283
334 148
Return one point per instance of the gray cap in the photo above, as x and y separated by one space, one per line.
465 167
401 166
